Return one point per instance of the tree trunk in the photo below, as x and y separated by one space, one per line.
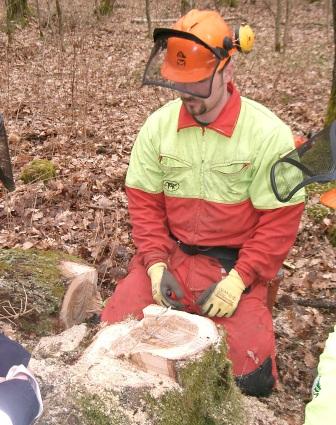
327 7
105 7
331 111
225 3
186 5
148 17
60 23
37 5
287 24
16 11
277 45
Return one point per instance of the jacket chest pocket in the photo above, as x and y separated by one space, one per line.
177 174
229 182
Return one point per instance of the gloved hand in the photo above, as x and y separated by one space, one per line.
222 298
165 288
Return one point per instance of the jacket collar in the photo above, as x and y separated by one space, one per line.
226 121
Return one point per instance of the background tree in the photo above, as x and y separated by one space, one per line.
16 10
223 3
277 42
148 17
37 6
186 5
287 24
60 23
282 8
105 7
331 111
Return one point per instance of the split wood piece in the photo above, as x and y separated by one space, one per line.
158 342
82 298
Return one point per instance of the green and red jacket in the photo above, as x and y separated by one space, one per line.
210 186
322 409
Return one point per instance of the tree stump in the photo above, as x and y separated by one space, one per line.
158 342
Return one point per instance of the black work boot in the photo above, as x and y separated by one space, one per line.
258 383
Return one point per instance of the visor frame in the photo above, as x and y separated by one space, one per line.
313 178
164 34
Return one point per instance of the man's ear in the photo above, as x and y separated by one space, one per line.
228 72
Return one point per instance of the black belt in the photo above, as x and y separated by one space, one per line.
225 255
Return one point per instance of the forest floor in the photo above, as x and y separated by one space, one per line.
82 106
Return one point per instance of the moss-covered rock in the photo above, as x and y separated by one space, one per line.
31 288
38 170
209 395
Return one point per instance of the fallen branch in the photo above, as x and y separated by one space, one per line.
101 207
316 303
12 312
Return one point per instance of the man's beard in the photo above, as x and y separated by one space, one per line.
194 106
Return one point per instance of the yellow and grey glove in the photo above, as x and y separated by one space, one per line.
222 298
165 288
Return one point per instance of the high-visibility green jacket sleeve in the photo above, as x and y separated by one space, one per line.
322 409
146 202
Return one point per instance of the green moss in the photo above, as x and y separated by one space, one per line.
34 287
38 170
39 325
286 98
95 411
33 265
209 395
318 212
319 188
105 8
331 235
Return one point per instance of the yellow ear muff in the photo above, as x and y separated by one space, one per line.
244 38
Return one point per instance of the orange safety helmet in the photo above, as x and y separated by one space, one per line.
199 44
188 61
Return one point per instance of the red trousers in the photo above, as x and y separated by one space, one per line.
250 335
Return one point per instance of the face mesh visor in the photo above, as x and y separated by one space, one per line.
181 62
6 174
312 162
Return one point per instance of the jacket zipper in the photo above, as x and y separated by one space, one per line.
200 201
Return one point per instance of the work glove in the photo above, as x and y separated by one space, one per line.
165 288
222 298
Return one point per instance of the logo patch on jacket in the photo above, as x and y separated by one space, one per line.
170 186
